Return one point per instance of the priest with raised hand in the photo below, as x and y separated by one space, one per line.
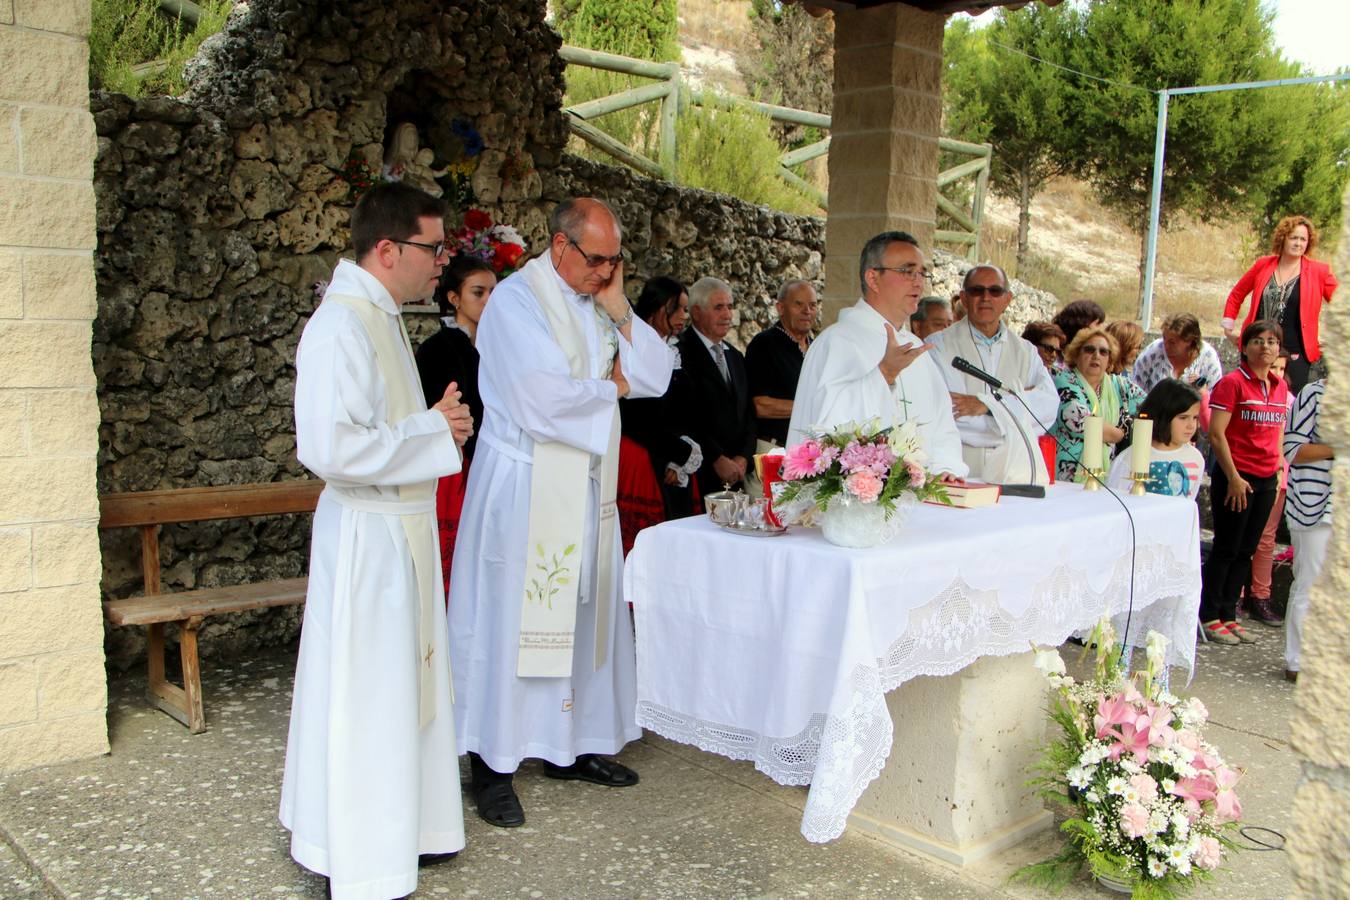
998 440
545 665
369 791
868 365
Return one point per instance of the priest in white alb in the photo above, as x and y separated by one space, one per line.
998 440
542 642
868 365
371 787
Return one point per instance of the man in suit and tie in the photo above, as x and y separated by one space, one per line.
715 391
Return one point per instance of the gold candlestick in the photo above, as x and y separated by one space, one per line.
1093 480
1140 479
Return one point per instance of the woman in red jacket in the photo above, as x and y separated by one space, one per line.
1289 288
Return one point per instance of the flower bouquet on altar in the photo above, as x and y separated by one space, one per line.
500 246
863 479
1149 799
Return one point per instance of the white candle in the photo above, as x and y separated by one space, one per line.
1141 443
1092 443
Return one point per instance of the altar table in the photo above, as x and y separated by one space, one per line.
781 650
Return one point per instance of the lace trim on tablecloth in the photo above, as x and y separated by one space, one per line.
841 752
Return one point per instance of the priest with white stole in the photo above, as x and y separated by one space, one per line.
868 365
542 642
992 436
370 786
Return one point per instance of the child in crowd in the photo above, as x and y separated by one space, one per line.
1175 466
1257 593
1308 512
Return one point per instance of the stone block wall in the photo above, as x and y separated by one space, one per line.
52 695
1319 849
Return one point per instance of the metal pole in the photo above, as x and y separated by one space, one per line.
1154 207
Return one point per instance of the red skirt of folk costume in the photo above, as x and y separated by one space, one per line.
639 497
449 505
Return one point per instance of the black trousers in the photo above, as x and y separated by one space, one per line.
1236 535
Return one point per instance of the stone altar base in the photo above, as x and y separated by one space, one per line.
954 787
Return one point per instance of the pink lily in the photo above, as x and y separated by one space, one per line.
1226 804
1116 711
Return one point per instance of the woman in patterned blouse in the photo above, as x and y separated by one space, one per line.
1087 389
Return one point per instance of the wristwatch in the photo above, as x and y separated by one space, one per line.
628 317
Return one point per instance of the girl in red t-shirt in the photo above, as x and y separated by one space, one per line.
1246 430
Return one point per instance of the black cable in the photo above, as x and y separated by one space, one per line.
1260 845
1134 544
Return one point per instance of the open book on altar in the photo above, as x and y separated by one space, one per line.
971 495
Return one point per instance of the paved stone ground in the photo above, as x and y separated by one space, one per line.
168 814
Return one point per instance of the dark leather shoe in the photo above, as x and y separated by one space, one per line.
595 769
498 804
1264 613
1291 675
434 859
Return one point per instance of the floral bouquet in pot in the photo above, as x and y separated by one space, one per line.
862 478
1149 798
500 246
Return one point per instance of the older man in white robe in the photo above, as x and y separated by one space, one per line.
369 785
868 365
543 645
998 440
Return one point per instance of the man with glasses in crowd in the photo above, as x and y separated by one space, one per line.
995 437
868 364
367 787
543 647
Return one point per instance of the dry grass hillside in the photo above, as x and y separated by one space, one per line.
1078 249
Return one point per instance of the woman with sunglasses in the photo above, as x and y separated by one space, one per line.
1048 339
1246 430
1086 389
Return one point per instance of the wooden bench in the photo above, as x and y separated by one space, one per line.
147 510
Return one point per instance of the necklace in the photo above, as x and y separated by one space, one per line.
806 340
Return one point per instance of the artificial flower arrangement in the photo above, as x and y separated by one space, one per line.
1149 799
867 463
501 246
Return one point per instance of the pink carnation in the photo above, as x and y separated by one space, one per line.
917 476
1210 853
1133 820
864 485
1147 788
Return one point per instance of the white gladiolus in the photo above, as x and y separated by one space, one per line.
1050 664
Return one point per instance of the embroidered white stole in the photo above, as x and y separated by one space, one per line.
559 500
416 506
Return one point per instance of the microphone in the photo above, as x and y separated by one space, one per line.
961 364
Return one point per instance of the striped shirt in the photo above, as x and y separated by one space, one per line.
1308 502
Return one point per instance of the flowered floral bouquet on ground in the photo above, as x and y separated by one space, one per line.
1149 798
863 462
501 246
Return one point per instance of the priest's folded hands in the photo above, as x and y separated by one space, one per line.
456 414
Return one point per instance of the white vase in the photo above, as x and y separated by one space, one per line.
848 522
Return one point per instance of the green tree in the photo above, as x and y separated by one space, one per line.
993 91
1223 154
646 29
1316 155
793 63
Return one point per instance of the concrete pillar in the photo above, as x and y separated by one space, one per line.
1321 727
883 136
954 787
53 693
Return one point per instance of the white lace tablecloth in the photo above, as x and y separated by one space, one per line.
780 649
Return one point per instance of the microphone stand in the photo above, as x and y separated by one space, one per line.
1036 491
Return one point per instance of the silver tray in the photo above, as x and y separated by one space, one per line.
754 532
